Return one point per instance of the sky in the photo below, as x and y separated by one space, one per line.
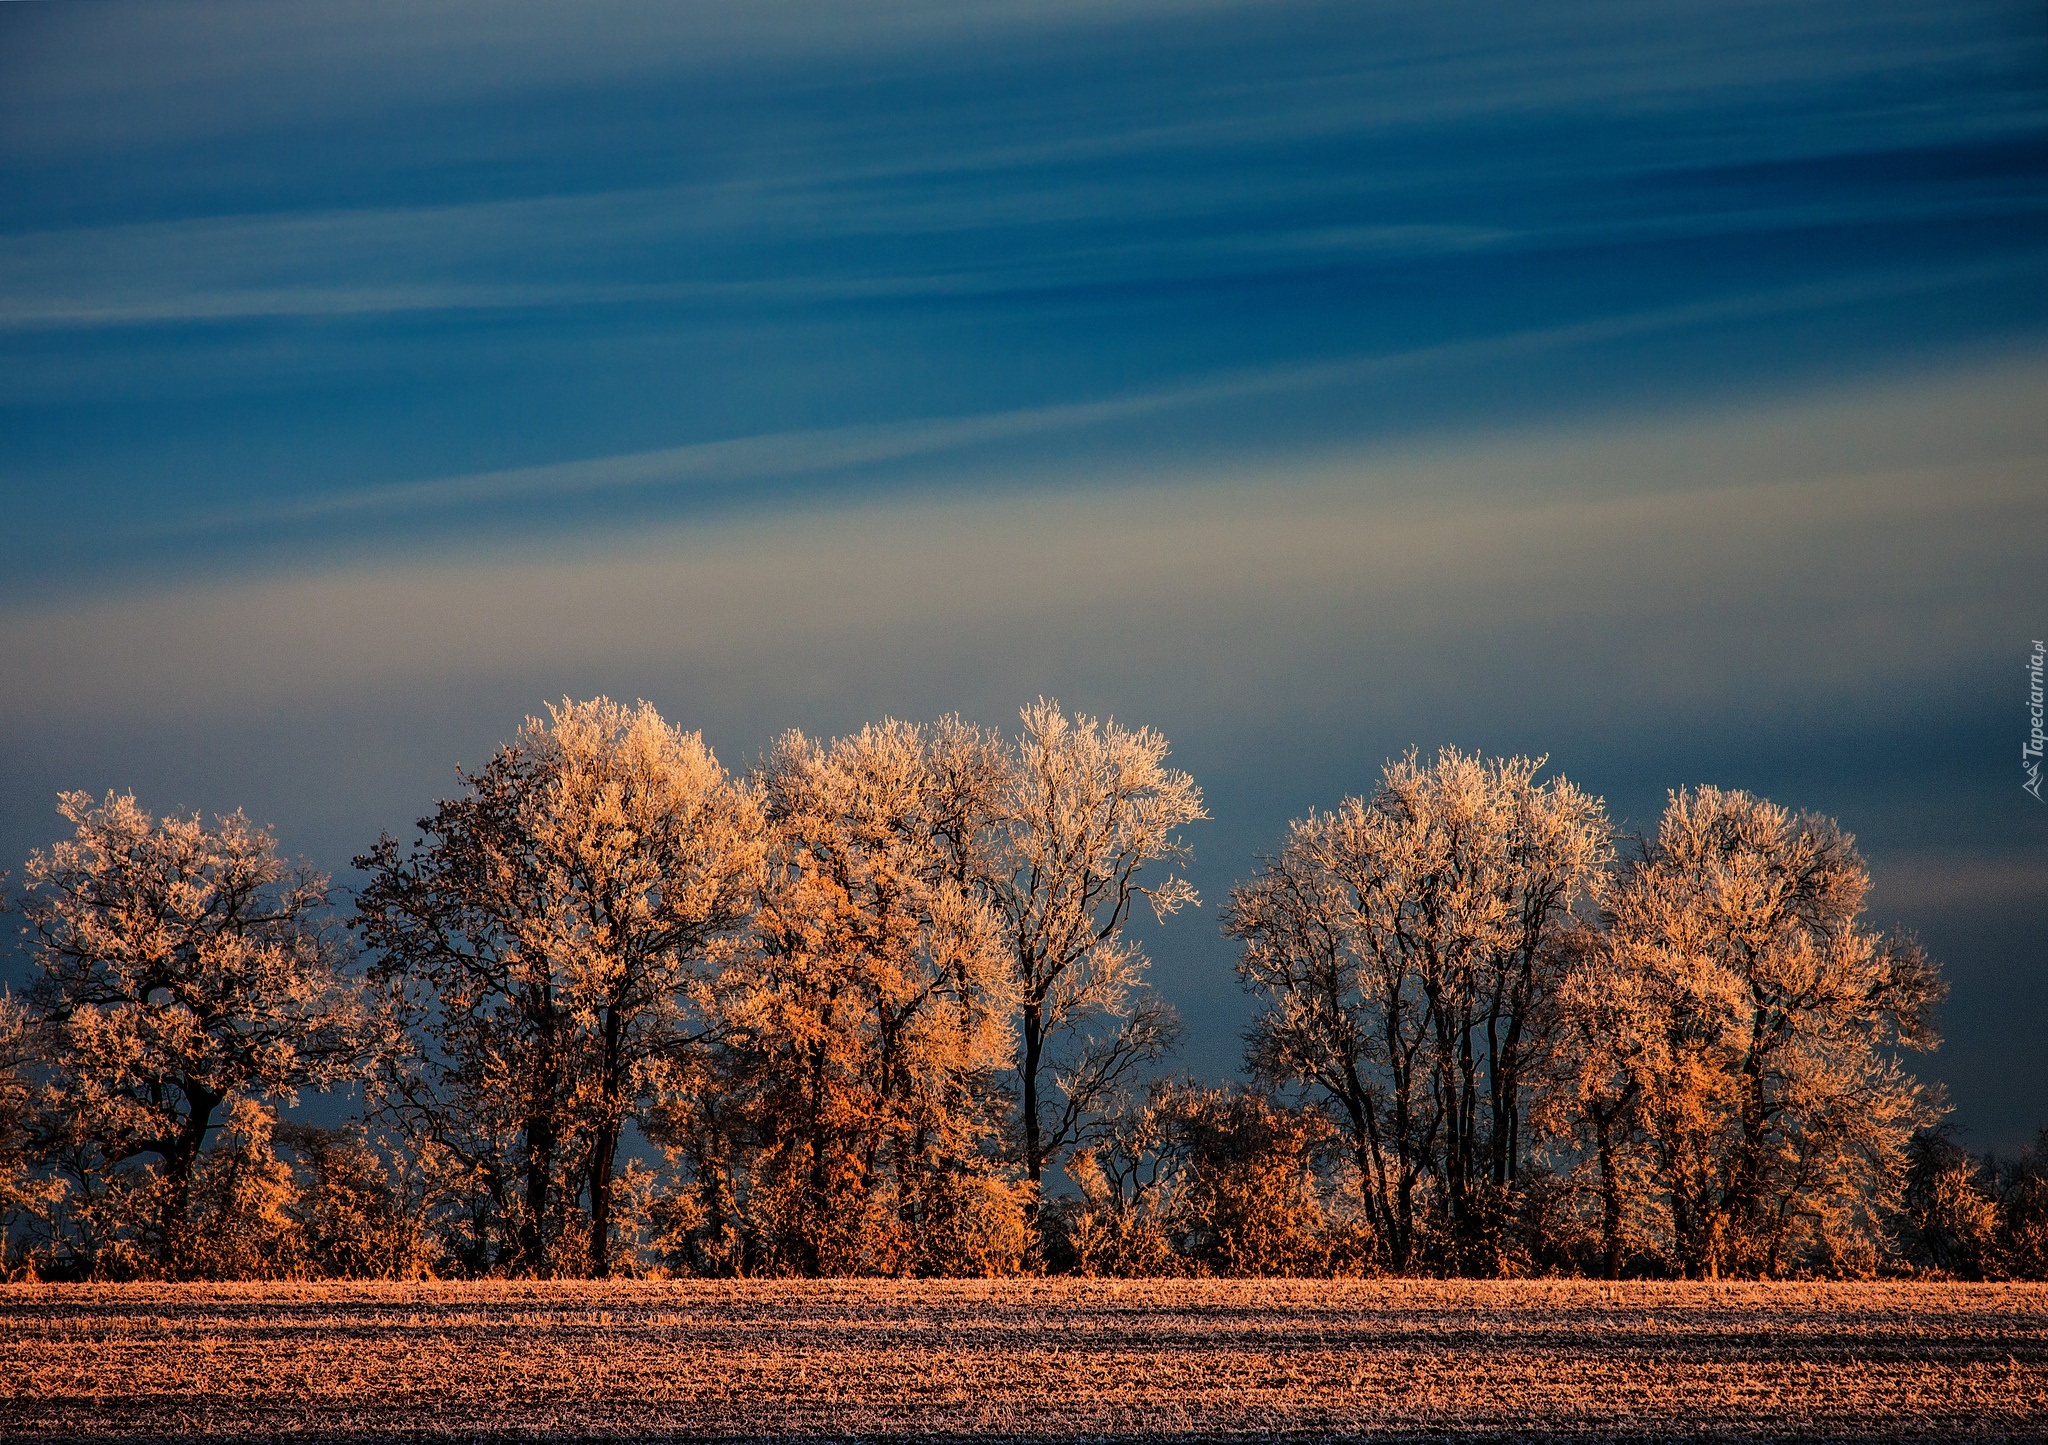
1658 387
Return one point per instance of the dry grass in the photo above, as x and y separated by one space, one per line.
1027 1359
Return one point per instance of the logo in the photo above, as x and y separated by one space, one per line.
2030 755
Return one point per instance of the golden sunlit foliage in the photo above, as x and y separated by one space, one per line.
860 1033
544 949
183 971
1408 948
1755 1018
872 1007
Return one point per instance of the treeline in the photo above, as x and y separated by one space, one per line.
874 1007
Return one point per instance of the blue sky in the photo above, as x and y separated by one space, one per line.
1661 387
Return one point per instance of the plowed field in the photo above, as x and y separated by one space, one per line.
1034 1359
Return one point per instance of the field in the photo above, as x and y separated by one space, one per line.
1031 1359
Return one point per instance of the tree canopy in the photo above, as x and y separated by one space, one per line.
873 1006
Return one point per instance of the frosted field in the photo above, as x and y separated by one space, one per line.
1026 1359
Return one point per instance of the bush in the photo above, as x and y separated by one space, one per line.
2021 1186
356 1219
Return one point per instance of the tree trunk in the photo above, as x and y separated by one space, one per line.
603 1160
1034 1154
1610 1197
175 1217
543 1134
604 1148
540 1168
819 1183
1404 1163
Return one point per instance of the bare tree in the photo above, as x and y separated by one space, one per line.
547 939
1057 832
182 969
1409 948
1343 1015
1763 1021
474 1075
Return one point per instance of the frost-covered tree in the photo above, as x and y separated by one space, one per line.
474 1075
182 970
1760 1026
863 1031
1408 948
1058 832
1595 1107
1250 1195
546 942
27 1195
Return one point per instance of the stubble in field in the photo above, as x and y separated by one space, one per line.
1031 1359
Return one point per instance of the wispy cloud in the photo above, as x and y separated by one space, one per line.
1714 560
1354 140
214 68
1925 880
789 245
794 455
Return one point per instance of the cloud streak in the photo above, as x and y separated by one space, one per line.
215 68
1572 530
796 455
1340 153
787 245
